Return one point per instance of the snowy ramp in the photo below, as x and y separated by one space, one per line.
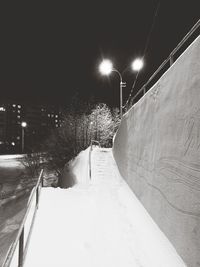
97 224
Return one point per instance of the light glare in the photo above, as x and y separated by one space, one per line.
137 64
23 124
106 67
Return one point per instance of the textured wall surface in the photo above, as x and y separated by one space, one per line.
157 150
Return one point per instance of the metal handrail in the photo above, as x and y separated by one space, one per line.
169 59
20 234
90 152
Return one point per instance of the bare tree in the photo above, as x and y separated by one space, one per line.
103 124
75 134
32 163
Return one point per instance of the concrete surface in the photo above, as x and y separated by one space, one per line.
157 150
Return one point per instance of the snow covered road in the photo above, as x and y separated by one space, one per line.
97 223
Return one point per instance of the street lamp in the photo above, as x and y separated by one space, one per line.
137 64
24 125
106 67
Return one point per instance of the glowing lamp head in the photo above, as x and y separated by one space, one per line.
106 67
137 64
24 124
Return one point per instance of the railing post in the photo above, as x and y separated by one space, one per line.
42 181
21 249
37 197
90 172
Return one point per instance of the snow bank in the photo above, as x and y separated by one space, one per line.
77 171
17 156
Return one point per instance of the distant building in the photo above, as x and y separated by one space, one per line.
40 119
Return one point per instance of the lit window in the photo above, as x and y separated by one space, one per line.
56 120
56 116
19 106
13 143
18 117
2 109
14 105
56 125
49 115
18 111
18 138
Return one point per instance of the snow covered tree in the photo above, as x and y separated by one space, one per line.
79 127
103 124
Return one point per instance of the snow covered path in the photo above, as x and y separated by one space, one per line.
98 223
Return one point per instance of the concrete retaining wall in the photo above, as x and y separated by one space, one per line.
157 150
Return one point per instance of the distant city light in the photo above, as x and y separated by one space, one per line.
2 109
23 124
106 67
137 64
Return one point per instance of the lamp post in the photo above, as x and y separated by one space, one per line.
23 125
122 84
106 67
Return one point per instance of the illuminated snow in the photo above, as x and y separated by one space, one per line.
97 223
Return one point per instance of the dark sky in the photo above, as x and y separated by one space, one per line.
50 51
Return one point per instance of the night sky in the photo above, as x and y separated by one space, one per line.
51 51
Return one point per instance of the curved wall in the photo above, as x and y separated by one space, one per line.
157 150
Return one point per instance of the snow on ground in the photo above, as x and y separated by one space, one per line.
99 223
10 161
79 167
16 156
